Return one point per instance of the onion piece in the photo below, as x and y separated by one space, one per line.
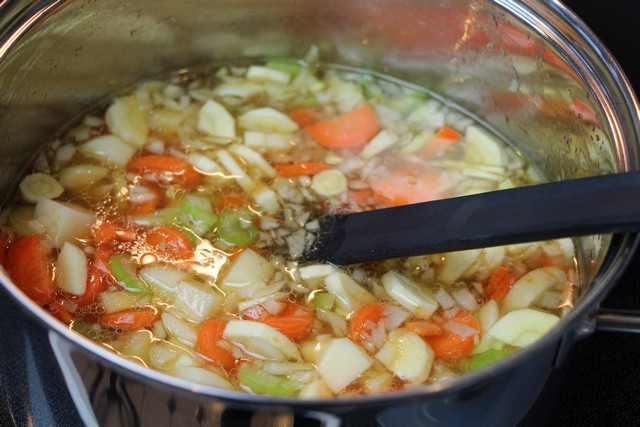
459 329
393 316
444 299
465 298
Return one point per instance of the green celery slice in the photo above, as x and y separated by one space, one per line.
123 270
324 300
261 382
197 214
487 358
235 227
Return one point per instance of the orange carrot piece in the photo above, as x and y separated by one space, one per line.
294 320
31 268
170 242
424 328
143 199
230 201
301 169
96 284
363 319
210 333
449 346
499 284
168 170
143 317
349 130
105 232
304 117
102 254
402 188
446 132
364 198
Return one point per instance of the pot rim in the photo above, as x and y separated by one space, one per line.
540 14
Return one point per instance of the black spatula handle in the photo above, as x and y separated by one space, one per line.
602 204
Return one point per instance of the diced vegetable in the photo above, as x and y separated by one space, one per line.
142 317
260 73
123 269
214 119
31 268
63 222
383 140
261 382
487 358
165 170
125 120
81 177
522 327
407 356
293 320
109 149
169 242
40 185
198 214
350 130
163 279
531 286
248 269
71 269
199 301
349 294
235 227
267 120
415 299
116 301
328 183
183 330
210 333
332 366
483 148
457 338
203 376
261 339
455 264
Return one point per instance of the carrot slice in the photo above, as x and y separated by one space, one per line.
364 319
105 232
143 199
165 170
350 130
294 320
446 132
449 346
143 317
170 242
210 333
102 254
499 284
96 284
31 268
424 328
304 117
301 169
402 188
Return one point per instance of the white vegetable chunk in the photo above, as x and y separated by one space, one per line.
455 264
316 389
267 199
523 327
163 278
235 170
531 287
63 222
254 158
203 376
329 183
125 120
183 330
260 73
349 294
199 301
406 293
81 177
488 314
340 362
406 355
71 269
214 119
203 164
383 140
261 340
267 120
249 269
114 301
39 185
483 148
109 149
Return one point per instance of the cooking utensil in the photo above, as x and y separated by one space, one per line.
578 207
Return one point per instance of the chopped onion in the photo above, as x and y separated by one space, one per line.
463 331
444 299
465 298
393 316
337 323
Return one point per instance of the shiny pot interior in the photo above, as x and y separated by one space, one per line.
59 57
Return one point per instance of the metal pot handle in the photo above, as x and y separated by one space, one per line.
618 321
62 351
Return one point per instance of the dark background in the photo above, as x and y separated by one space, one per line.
599 385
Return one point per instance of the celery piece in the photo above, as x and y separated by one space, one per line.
167 216
235 226
324 300
123 270
261 382
197 214
486 358
288 66
20 218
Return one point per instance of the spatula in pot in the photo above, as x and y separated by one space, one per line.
602 204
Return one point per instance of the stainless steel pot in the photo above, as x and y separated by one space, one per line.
529 69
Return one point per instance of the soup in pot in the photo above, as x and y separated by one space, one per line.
170 226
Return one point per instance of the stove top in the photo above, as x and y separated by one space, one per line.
598 385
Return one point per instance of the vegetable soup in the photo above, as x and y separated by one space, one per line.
170 226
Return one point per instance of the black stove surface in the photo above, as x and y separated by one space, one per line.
599 385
